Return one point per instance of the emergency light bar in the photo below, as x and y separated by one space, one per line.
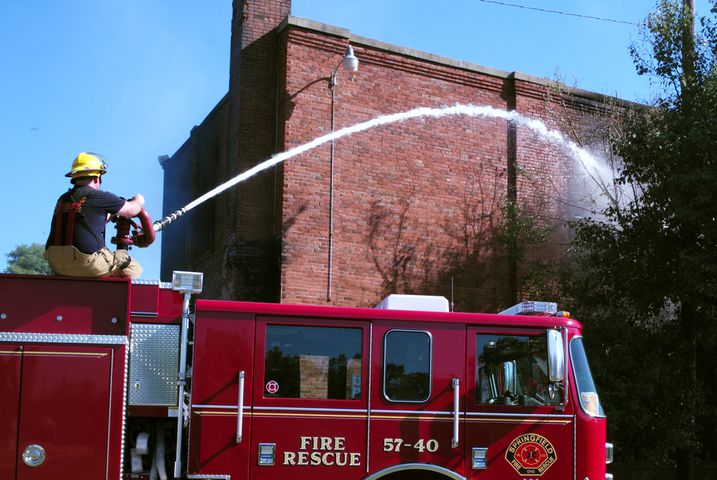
528 307
187 282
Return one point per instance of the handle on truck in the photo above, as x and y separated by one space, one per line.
456 411
240 408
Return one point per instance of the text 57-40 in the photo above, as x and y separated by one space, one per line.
396 444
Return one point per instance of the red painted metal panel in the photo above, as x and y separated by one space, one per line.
590 441
403 432
212 444
549 429
153 304
10 365
321 439
320 445
65 406
170 303
117 411
223 347
64 305
145 298
542 439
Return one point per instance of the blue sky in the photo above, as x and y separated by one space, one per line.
130 79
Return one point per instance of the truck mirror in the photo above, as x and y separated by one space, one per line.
510 378
556 356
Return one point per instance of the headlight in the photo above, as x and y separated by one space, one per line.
590 403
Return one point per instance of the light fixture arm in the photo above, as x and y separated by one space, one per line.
350 63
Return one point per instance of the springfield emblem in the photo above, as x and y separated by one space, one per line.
531 454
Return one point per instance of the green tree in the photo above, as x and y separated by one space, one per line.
28 259
646 276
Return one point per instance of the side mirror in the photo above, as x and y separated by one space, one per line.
556 356
510 378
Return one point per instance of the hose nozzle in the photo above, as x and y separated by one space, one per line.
160 224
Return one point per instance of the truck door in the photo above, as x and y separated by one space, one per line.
310 403
223 356
514 428
418 390
61 384
10 368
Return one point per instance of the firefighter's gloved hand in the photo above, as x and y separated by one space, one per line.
139 198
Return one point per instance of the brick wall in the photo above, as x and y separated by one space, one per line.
418 203
252 241
419 206
313 376
353 372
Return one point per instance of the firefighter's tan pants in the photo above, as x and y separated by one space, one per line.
67 260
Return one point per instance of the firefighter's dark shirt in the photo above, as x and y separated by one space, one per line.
97 205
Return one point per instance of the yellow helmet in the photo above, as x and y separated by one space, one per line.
87 164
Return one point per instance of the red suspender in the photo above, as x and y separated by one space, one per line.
71 209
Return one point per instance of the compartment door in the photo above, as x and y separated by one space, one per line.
10 365
61 384
223 349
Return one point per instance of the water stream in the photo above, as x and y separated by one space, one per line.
589 162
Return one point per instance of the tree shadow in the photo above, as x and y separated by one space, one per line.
473 263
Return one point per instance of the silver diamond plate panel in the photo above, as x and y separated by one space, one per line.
153 364
209 477
63 338
141 281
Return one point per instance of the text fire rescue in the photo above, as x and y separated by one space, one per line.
328 451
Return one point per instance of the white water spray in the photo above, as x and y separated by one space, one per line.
588 161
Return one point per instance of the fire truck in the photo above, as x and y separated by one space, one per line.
119 379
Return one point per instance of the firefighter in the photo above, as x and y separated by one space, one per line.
76 244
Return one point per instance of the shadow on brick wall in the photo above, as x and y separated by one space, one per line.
473 260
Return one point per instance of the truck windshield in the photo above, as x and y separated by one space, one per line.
589 400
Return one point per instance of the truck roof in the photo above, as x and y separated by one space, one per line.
355 313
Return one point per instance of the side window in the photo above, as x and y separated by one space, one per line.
313 362
513 370
407 366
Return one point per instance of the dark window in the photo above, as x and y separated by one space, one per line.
407 366
313 362
513 370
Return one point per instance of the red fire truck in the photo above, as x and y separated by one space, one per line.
112 379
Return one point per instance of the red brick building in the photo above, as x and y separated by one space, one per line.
434 206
